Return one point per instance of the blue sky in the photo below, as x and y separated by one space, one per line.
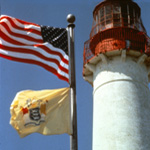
16 76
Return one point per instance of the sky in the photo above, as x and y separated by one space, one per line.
15 76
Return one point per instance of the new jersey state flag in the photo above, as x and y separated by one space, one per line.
46 112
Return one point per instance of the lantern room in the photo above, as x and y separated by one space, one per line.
116 13
117 25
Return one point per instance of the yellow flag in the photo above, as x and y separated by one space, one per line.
46 112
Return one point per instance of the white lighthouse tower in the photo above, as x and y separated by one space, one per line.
117 65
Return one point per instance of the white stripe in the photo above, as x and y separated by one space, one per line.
63 73
55 49
26 26
48 45
21 40
66 57
32 57
20 24
32 48
64 65
40 50
28 56
20 31
51 47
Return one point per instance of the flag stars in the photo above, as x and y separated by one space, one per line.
55 36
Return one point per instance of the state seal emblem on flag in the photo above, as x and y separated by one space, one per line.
44 111
34 113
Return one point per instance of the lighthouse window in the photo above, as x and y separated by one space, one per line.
108 17
116 9
117 20
131 15
96 19
124 15
108 9
116 15
108 14
102 12
137 21
102 19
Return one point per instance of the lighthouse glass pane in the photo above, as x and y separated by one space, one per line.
102 19
116 15
140 25
96 19
102 26
116 20
131 15
102 12
97 24
108 16
108 9
116 9
109 24
137 21
124 15
109 21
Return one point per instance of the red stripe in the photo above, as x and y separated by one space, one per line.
10 40
6 38
48 50
22 28
23 50
28 51
27 23
48 68
24 36
36 53
63 69
65 61
52 52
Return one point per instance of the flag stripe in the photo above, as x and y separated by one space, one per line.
23 42
17 39
28 28
50 68
10 32
39 53
10 40
29 51
38 36
57 53
45 47
27 23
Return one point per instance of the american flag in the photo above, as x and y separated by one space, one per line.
31 43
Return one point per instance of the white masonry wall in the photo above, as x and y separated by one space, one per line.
121 104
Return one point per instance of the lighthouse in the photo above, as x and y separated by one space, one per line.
117 65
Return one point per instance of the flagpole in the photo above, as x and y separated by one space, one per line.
72 81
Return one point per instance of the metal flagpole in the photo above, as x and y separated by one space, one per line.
72 80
